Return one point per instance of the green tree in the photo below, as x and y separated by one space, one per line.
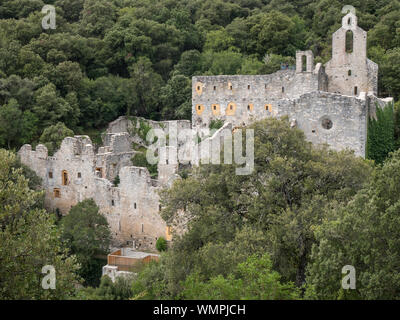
97 17
363 233
10 124
253 280
381 135
161 244
285 198
176 98
277 33
51 108
107 290
218 40
87 233
146 83
53 136
29 240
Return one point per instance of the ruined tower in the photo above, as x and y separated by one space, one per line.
349 71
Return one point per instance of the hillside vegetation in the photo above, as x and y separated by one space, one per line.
108 58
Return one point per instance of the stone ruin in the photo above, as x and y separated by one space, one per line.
331 103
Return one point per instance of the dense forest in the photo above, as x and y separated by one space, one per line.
283 232
108 58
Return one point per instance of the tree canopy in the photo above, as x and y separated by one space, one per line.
111 58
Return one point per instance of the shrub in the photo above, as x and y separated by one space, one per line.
161 244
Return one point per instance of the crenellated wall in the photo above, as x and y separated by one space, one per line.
329 103
241 99
320 100
75 173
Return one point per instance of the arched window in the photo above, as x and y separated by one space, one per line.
304 63
349 41
355 90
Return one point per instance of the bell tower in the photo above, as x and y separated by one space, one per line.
349 71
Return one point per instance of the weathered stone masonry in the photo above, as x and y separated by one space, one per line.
330 103
76 172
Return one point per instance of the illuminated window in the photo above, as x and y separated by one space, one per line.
231 109
215 109
64 176
199 88
199 109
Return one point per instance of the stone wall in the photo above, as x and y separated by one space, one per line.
329 103
75 173
332 119
320 100
240 99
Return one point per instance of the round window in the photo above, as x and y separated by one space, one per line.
327 123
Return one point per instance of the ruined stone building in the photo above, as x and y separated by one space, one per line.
330 103
76 172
